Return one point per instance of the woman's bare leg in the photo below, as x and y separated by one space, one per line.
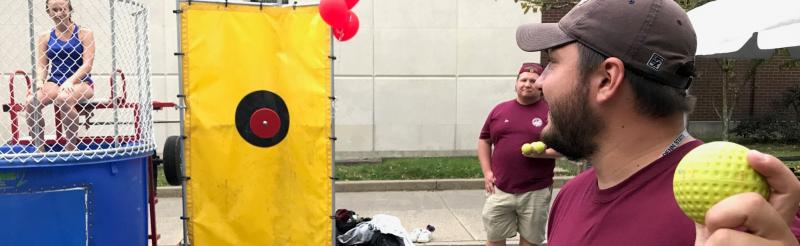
45 96
66 102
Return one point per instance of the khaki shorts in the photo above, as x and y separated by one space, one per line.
506 214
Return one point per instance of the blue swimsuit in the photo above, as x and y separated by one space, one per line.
65 57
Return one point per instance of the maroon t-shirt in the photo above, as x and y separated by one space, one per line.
796 226
508 127
639 211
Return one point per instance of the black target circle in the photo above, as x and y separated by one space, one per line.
262 118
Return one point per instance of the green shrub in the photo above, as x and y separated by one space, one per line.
774 127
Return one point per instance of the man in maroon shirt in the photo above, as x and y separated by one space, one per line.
616 84
517 187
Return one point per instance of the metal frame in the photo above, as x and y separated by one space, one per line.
332 57
85 109
181 112
36 114
247 3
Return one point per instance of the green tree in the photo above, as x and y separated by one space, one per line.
534 6
790 64
730 89
691 4
730 95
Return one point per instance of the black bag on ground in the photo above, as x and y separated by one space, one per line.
380 239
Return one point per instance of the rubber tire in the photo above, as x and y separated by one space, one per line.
172 160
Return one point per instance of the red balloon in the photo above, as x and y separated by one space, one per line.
349 30
334 12
350 3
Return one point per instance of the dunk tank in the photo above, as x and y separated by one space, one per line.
80 177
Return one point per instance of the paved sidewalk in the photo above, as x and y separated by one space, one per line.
456 214
168 220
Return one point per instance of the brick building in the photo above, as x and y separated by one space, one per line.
755 100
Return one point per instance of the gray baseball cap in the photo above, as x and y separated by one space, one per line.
654 38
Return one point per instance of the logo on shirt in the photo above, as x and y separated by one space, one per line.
537 122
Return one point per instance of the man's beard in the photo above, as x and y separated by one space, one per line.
573 125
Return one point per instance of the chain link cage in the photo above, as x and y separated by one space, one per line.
74 80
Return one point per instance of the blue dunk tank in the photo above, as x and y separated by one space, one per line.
83 175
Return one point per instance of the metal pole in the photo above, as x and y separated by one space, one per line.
138 26
37 116
32 41
143 72
114 72
148 95
332 58
181 111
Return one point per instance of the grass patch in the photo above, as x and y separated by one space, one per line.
468 167
161 180
412 168
778 150
423 168
570 168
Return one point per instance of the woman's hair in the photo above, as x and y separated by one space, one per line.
47 5
69 6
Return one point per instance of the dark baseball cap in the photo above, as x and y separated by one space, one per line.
531 68
654 38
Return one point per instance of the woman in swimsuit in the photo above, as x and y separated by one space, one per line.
68 51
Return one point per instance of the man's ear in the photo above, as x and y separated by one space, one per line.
611 73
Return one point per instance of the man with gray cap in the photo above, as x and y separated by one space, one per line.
616 85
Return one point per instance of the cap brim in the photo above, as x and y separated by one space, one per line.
541 36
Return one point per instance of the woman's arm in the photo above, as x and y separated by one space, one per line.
86 37
41 60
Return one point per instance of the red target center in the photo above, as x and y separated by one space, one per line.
265 123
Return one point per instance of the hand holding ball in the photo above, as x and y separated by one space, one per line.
539 147
533 149
712 172
527 149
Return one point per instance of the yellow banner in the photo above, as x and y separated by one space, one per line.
241 193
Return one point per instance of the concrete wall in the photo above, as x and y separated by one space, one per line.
418 78
164 43
423 85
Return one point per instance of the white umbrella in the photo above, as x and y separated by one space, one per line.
747 28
